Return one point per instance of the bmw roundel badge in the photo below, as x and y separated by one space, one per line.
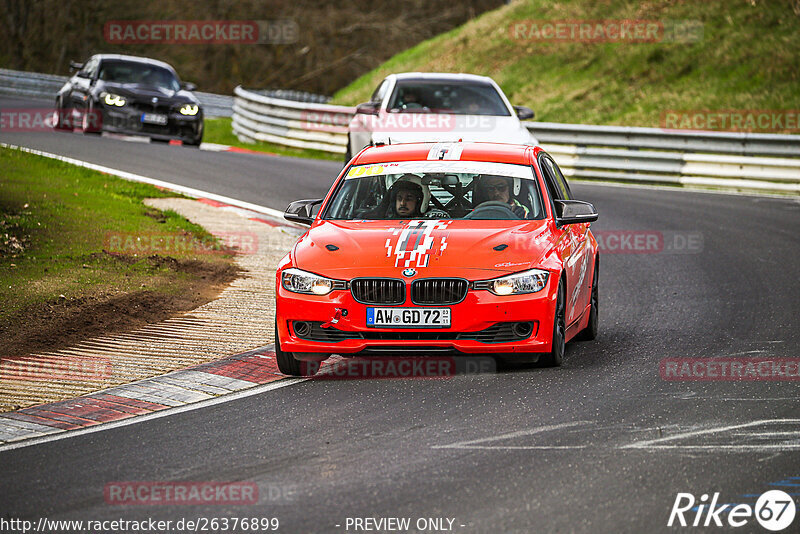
409 273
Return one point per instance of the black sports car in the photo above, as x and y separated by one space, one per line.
131 95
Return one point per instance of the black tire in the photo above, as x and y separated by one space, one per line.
87 125
288 364
161 141
59 116
590 332
195 143
555 357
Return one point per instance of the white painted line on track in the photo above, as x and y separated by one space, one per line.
257 390
125 175
659 443
476 443
781 440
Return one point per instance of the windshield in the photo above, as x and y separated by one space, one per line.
141 73
437 190
447 97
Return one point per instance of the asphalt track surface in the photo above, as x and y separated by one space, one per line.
524 450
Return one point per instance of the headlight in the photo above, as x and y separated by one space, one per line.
516 284
299 281
190 109
113 100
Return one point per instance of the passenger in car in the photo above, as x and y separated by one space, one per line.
499 189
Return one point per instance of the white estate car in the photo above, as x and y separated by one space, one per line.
419 107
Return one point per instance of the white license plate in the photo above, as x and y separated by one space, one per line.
409 317
154 118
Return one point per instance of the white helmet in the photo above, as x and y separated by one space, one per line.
405 181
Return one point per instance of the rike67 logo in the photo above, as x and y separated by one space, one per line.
774 510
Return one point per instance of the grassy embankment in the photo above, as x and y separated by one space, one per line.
747 59
62 275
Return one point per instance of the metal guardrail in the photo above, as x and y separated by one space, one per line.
37 86
767 162
257 117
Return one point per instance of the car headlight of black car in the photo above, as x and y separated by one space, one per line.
189 109
111 99
531 281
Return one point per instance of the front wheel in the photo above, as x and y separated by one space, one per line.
288 364
195 142
62 117
556 354
91 120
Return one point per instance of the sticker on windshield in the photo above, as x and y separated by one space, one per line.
441 166
366 170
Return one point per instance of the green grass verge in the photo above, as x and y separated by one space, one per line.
747 59
56 220
218 130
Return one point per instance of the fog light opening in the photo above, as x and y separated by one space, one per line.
301 328
523 330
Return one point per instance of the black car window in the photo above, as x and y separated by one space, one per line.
554 179
90 69
561 181
549 179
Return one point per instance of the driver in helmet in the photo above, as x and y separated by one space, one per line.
408 197
498 189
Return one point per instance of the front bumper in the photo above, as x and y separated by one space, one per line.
127 120
472 322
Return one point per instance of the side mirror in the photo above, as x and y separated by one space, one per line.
74 65
188 86
369 108
524 113
299 211
574 212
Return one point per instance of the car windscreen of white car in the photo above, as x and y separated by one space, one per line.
460 98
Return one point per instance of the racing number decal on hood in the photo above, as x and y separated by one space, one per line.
415 242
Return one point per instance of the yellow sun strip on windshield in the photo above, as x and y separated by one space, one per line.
439 166
365 170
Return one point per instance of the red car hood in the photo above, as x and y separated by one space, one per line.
459 248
